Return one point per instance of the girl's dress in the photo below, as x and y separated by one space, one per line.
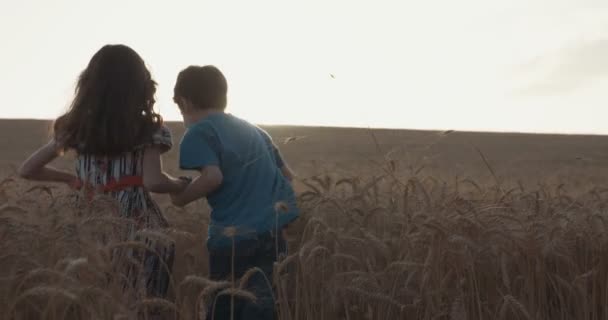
121 178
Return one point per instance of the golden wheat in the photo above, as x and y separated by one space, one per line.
386 247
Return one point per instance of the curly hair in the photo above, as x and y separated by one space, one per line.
112 111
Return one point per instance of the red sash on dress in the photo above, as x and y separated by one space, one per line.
112 186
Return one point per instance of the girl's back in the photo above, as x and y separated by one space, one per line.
110 124
119 139
121 176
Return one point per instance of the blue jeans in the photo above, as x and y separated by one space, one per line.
261 253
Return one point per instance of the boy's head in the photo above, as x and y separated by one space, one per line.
200 89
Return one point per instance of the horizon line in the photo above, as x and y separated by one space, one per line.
380 128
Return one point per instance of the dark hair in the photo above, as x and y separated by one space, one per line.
112 111
205 87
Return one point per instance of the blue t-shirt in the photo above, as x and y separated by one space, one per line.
254 196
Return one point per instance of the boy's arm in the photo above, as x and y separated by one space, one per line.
209 180
35 167
199 151
155 179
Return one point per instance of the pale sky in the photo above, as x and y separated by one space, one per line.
510 65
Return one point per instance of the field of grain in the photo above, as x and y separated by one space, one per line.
395 225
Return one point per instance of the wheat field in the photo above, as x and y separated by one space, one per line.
394 225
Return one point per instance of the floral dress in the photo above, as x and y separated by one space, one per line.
120 177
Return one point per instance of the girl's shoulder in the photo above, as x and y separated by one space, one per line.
161 138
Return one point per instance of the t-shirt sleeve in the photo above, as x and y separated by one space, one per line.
273 148
163 139
278 156
198 148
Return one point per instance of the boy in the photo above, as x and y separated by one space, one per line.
246 183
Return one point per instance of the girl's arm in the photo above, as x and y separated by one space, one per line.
155 179
209 180
35 167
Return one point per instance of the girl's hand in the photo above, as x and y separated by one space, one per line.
209 180
181 186
184 182
155 179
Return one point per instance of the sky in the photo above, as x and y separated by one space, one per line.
482 65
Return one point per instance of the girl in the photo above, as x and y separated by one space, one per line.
118 140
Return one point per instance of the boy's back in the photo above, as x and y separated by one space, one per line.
254 191
244 179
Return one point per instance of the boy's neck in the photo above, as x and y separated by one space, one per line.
200 115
